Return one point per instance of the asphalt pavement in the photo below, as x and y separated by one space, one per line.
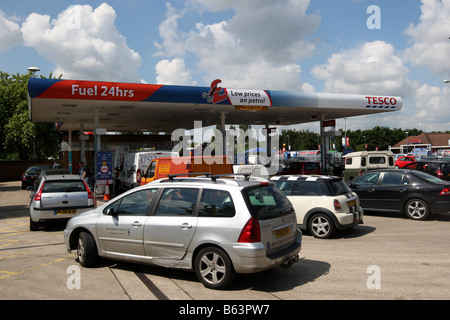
388 257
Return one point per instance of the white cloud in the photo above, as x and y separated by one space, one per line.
257 48
168 30
430 43
83 43
9 33
372 68
432 105
173 72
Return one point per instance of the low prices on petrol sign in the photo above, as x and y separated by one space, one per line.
104 168
248 97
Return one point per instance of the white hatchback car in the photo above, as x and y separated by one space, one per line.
215 226
323 204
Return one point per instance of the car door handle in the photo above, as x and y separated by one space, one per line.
371 190
136 224
185 226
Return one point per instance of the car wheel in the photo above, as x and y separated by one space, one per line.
86 250
34 226
214 268
417 209
322 226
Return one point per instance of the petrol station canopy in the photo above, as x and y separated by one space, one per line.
118 106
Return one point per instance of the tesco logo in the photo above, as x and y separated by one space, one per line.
381 102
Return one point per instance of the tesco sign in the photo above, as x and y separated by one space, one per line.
381 102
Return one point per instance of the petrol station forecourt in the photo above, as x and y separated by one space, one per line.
99 106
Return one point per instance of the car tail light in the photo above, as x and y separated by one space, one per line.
38 195
337 205
440 174
445 192
138 176
24 178
251 232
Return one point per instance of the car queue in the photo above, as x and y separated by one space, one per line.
218 227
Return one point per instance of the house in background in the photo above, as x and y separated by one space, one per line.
432 142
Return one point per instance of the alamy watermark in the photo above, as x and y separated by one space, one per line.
74 18
374 280
74 280
235 143
374 21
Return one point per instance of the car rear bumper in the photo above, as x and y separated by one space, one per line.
440 207
42 215
349 220
252 257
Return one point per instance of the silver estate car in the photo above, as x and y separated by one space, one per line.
214 226
57 197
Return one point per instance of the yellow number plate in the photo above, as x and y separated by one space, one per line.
351 203
282 232
66 211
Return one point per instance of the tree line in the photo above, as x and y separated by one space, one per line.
20 138
377 137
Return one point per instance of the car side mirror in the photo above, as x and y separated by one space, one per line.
111 212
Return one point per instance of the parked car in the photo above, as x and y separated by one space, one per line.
404 160
301 167
359 162
214 226
59 197
30 175
437 168
323 204
417 194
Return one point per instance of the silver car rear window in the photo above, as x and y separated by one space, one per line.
63 186
266 202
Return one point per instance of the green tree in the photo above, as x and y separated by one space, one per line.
20 138
299 139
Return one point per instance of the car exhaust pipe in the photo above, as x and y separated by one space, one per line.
290 262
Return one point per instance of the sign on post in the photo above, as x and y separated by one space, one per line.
104 168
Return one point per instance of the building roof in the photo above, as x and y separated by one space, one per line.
434 139
149 107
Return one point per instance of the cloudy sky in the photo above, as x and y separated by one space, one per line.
373 47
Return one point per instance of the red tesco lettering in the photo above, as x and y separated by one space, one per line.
382 100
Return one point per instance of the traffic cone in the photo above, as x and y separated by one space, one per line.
106 196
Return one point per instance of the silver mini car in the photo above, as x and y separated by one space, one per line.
214 226
57 197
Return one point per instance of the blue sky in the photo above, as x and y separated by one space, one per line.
294 45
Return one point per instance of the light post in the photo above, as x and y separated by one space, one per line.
407 143
33 71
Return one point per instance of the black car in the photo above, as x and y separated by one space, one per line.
415 193
30 175
437 168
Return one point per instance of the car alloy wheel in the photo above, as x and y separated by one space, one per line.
86 250
321 226
213 268
417 209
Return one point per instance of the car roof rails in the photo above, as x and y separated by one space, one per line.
172 176
225 175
